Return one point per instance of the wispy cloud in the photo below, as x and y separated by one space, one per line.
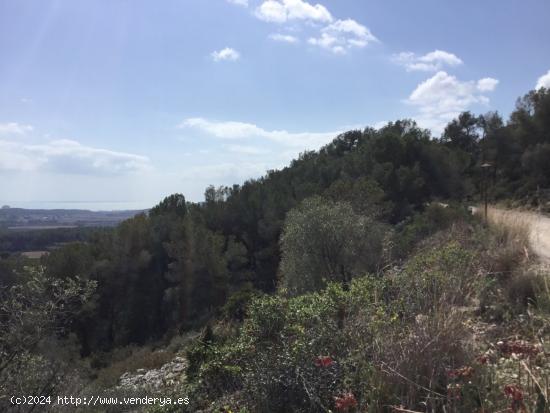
68 157
245 149
543 81
242 130
430 62
225 54
14 128
243 3
443 97
285 38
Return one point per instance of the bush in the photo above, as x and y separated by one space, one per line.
326 241
436 217
362 345
237 303
401 339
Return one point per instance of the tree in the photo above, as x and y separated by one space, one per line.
173 204
327 241
463 133
36 309
364 194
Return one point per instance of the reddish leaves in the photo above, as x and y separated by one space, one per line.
345 402
483 359
324 361
515 393
462 373
519 348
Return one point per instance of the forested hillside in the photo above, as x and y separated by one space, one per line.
357 206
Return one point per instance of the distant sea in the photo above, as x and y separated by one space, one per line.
89 205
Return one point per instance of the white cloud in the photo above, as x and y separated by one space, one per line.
286 38
342 35
243 3
442 97
544 81
429 62
281 11
14 128
68 157
337 36
245 149
13 158
242 130
227 173
487 84
326 41
225 54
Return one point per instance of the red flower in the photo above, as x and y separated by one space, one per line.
324 361
345 402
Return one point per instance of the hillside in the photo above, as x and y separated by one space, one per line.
354 279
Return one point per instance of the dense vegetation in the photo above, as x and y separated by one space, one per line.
417 338
357 206
41 239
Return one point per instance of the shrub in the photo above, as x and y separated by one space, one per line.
326 241
436 217
401 339
237 303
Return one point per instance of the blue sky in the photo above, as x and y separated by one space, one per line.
117 103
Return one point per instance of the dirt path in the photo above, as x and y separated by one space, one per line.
539 228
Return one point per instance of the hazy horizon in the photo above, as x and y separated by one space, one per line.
96 206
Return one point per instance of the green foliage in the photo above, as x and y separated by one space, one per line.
436 217
42 239
36 314
327 241
401 339
175 267
364 194
236 306
437 279
171 205
298 354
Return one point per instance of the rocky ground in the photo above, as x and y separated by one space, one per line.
169 375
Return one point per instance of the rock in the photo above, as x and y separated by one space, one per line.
167 375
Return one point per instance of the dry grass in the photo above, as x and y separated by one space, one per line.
416 365
510 239
512 229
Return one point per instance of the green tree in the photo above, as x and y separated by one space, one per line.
463 133
36 309
327 241
173 204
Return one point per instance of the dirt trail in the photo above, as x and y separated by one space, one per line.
539 228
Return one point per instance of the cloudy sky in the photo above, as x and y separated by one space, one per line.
115 104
